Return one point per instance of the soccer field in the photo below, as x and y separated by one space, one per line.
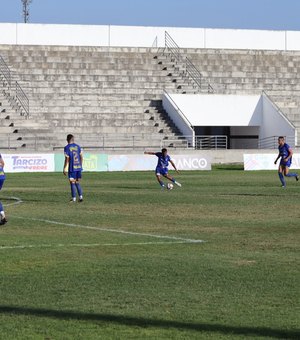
130 262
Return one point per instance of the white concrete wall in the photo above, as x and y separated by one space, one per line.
38 34
275 123
138 36
8 33
245 114
245 39
220 110
175 113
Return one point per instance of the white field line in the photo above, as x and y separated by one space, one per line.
16 199
133 233
89 245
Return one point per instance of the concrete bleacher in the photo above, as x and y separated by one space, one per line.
94 93
111 97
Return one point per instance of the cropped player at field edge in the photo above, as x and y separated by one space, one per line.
73 164
286 154
3 220
162 166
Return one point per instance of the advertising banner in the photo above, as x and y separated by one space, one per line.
100 162
28 162
91 162
192 162
266 161
149 162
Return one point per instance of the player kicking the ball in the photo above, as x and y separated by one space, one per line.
286 153
73 164
162 167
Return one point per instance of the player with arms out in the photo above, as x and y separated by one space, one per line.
285 153
73 164
162 167
3 219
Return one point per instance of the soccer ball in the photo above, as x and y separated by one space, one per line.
170 186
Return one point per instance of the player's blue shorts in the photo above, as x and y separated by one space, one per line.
1 182
161 171
287 164
74 175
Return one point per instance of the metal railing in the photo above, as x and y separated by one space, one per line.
154 44
22 99
15 92
141 142
171 45
211 142
190 69
272 142
5 72
6 142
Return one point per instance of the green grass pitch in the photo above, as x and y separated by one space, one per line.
79 279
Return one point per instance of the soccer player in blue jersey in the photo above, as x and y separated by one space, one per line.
73 164
162 167
286 154
3 219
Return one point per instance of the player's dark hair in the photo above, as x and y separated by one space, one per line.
69 137
164 150
280 137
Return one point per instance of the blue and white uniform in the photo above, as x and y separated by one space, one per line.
284 153
73 152
162 164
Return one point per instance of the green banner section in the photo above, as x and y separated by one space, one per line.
91 162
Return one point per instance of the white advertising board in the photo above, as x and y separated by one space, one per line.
266 161
148 162
28 162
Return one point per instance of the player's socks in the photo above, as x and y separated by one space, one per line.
175 182
73 191
292 174
281 179
162 184
79 190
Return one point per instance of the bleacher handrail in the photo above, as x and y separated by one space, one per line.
155 42
211 142
173 47
138 142
189 66
277 108
16 93
177 107
22 98
5 71
271 142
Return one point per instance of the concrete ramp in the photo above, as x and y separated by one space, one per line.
239 117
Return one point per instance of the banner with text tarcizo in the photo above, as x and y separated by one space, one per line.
29 162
